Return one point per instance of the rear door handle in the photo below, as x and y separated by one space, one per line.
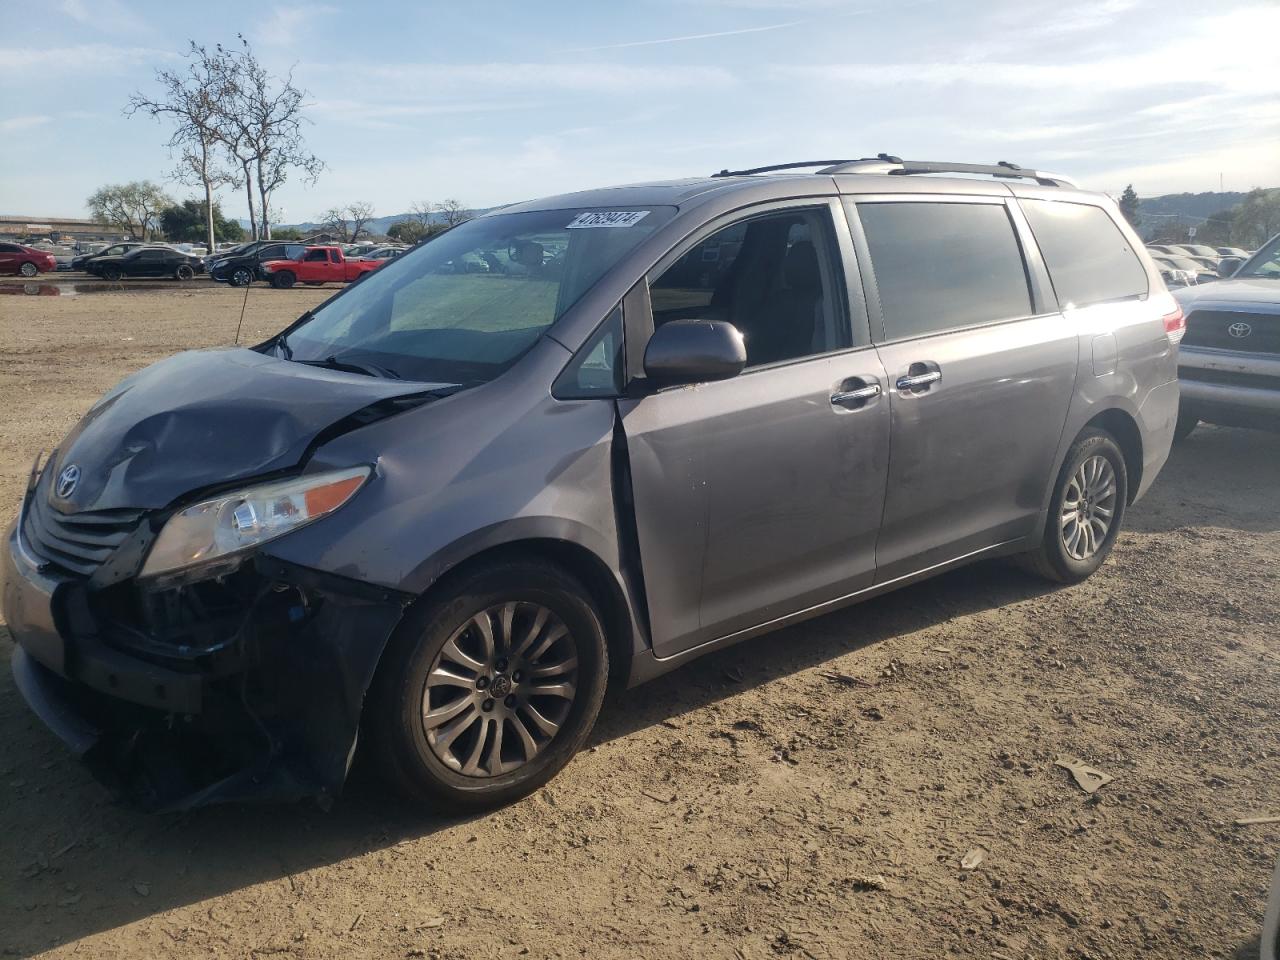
919 381
857 397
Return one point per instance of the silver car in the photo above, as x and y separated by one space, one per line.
435 516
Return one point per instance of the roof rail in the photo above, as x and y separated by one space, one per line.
895 166
780 166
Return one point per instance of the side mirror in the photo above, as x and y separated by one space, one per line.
1228 266
694 351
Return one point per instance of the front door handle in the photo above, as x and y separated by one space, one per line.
857 397
919 381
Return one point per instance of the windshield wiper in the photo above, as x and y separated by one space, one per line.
369 370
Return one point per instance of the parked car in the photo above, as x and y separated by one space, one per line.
443 508
243 266
1233 252
1201 273
1201 250
1229 363
16 258
149 261
383 253
1173 275
316 266
115 250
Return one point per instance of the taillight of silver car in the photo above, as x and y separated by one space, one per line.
1175 325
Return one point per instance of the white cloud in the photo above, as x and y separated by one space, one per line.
85 57
14 124
110 16
284 26
538 78
691 36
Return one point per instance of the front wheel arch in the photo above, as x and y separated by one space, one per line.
578 561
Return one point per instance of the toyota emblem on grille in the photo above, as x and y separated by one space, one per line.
67 480
1239 330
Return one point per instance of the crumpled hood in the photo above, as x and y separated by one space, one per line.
1245 290
207 417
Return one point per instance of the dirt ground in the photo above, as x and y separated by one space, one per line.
808 794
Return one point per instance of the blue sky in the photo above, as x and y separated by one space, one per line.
492 102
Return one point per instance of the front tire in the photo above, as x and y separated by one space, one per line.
241 277
487 691
28 270
1085 512
283 280
184 272
111 274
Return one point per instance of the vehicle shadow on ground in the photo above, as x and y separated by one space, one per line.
64 839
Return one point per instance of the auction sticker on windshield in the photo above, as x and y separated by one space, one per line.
607 218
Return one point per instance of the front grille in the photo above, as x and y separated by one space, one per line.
78 543
1211 328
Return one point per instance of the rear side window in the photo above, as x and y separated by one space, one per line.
1089 259
940 266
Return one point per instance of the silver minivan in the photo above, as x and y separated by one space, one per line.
576 440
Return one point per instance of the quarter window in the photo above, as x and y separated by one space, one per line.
771 277
1089 259
940 266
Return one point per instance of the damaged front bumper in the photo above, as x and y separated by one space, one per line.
245 686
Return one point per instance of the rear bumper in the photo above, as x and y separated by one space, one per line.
1231 386
1159 416
274 717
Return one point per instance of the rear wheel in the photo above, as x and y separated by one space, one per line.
241 277
111 273
28 269
184 272
1085 512
283 280
490 689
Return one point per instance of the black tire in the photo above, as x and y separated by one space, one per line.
1053 559
1187 421
283 280
394 720
184 272
28 270
240 277
111 273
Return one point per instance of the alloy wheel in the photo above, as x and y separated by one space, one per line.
1088 507
500 689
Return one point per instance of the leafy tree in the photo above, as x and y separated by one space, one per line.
287 233
133 207
1129 203
413 231
187 221
1257 218
1219 228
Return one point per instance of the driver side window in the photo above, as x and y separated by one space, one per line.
770 276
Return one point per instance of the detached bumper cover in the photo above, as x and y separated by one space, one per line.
272 715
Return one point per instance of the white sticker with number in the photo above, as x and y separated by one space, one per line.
607 218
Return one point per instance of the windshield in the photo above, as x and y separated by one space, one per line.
466 305
1264 263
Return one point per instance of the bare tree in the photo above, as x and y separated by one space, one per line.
191 100
423 212
348 221
262 126
452 212
133 207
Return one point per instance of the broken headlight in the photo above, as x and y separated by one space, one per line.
227 524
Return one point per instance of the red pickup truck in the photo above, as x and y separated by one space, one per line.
316 265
